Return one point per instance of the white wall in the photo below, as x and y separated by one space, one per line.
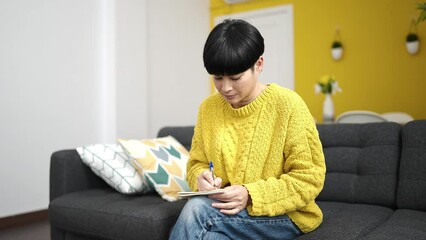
48 95
131 68
178 81
76 72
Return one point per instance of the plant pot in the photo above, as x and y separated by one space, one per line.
337 53
328 109
412 47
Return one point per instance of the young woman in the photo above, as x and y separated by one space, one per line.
263 143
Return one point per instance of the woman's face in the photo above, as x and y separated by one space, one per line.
240 89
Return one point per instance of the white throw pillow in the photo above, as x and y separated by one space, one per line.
112 164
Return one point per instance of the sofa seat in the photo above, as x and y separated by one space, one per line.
105 213
348 220
404 224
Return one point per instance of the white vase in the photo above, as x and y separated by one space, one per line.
328 109
412 47
337 53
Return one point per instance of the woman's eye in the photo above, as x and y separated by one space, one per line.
235 78
217 78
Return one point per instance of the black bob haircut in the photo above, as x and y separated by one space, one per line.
232 47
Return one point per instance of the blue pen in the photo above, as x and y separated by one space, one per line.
212 171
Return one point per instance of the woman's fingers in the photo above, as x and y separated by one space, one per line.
218 182
229 208
206 182
232 201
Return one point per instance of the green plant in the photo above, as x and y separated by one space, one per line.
412 37
422 7
327 85
336 44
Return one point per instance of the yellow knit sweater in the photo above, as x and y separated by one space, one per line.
271 146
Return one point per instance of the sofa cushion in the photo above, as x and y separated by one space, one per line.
107 214
403 224
115 167
163 162
348 221
362 162
412 177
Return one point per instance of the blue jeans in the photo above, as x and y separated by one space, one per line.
199 220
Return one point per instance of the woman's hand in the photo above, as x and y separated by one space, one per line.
233 200
206 182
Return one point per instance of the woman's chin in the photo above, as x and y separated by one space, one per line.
231 101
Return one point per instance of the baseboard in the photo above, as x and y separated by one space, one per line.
23 219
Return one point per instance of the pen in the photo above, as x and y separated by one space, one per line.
212 171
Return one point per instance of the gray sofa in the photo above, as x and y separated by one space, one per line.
375 188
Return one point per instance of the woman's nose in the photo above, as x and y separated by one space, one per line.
226 85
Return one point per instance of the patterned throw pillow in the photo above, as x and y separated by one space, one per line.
111 163
163 161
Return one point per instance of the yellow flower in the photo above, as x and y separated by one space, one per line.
327 85
326 78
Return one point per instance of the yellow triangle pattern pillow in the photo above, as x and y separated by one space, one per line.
162 161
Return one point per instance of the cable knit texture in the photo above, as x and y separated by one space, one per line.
271 146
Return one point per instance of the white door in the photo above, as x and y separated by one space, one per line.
276 26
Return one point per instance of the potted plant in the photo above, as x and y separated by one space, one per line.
337 50
412 43
412 40
329 86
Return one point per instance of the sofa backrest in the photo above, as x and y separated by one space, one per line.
412 177
182 134
362 162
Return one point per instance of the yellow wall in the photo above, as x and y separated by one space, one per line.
376 73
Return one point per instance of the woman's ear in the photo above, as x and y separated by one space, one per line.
259 65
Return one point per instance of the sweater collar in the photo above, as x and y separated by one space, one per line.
250 108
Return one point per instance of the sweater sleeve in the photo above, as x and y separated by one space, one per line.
197 162
304 169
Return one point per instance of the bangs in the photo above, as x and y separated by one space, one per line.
226 61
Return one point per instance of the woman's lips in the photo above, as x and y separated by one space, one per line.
229 96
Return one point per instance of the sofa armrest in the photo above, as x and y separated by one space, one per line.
69 174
